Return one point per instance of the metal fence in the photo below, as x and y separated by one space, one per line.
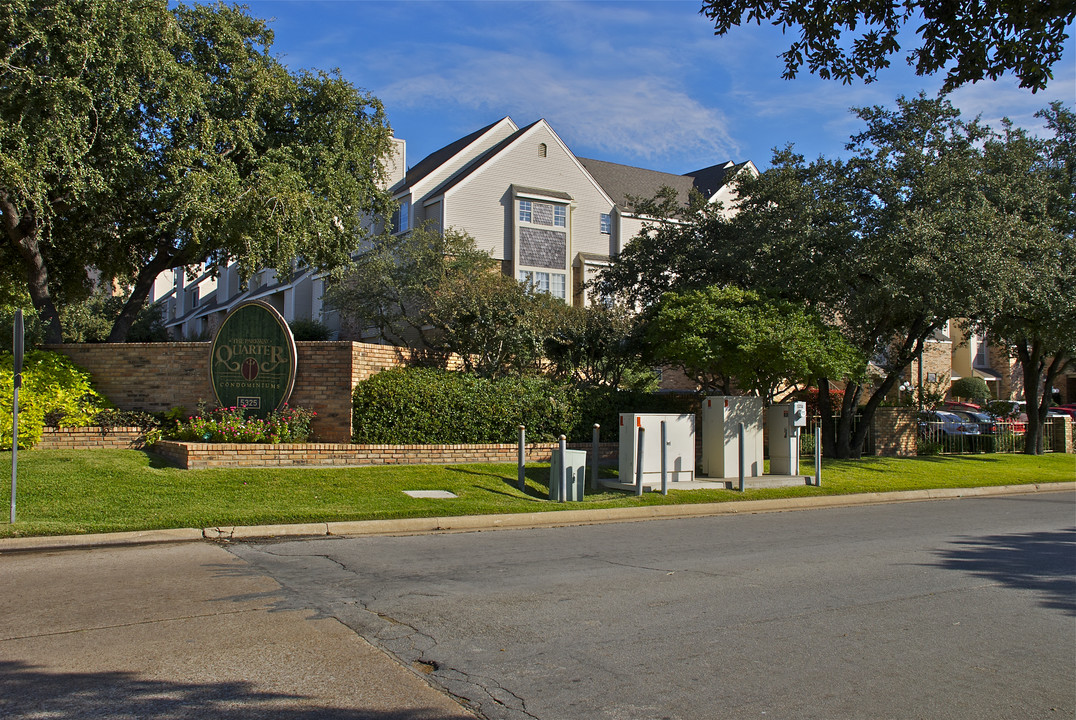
937 438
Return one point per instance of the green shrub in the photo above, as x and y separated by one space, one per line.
971 388
427 405
431 406
53 387
310 330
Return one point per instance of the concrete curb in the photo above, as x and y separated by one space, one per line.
473 523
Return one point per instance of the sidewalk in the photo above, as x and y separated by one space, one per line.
185 631
472 523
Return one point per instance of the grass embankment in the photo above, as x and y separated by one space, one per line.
71 492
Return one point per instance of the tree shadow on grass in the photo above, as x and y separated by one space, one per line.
28 691
539 476
1044 562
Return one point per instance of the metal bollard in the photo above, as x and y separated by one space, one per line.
563 469
522 482
741 458
594 463
664 460
639 465
818 457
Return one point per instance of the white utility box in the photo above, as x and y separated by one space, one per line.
721 418
784 423
680 449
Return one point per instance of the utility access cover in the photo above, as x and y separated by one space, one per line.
438 494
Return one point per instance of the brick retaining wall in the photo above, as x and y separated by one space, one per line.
91 438
197 456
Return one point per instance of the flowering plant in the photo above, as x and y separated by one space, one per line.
231 425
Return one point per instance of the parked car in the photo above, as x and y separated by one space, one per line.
988 429
954 433
953 406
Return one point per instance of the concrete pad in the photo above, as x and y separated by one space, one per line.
433 494
184 631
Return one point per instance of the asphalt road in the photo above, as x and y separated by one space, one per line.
943 610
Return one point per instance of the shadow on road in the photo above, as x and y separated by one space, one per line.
29 692
1044 562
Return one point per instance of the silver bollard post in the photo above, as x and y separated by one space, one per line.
664 460
639 464
741 458
594 461
522 482
818 456
563 469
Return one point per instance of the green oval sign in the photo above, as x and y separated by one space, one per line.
252 361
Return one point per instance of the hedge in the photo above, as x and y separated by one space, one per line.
431 406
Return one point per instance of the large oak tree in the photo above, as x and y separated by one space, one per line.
136 138
971 40
888 246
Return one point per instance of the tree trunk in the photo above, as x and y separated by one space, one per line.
1029 352
24 235
139 293
825 412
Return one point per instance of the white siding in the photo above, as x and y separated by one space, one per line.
495 135
483 203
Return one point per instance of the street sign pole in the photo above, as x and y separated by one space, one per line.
17 343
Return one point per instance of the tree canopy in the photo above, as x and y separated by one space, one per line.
729 337
1031 183
135 138
972 41
871 244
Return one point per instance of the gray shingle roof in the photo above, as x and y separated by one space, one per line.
622 181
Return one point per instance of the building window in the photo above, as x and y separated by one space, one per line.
401 218
546 282
982 352
541 150
525 211
606 224
560 216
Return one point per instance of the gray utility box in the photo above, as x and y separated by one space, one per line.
576 460
679 449
721 418
783 423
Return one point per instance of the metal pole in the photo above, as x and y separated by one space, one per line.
14 443
664 460
563 469
639 464
17 348
818 456
522 481
594 464
741 458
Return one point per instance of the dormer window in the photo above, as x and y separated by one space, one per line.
542 150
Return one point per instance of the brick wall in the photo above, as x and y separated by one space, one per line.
155 377
91 438
197 456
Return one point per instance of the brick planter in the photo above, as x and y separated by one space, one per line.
198 456
91 438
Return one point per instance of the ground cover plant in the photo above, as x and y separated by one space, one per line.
233 425
71 492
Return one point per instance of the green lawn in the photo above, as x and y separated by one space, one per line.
72 492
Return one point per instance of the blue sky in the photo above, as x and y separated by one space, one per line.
635 82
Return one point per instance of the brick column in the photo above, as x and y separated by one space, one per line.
894 431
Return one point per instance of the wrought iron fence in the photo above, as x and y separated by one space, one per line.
1002 436
938 438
